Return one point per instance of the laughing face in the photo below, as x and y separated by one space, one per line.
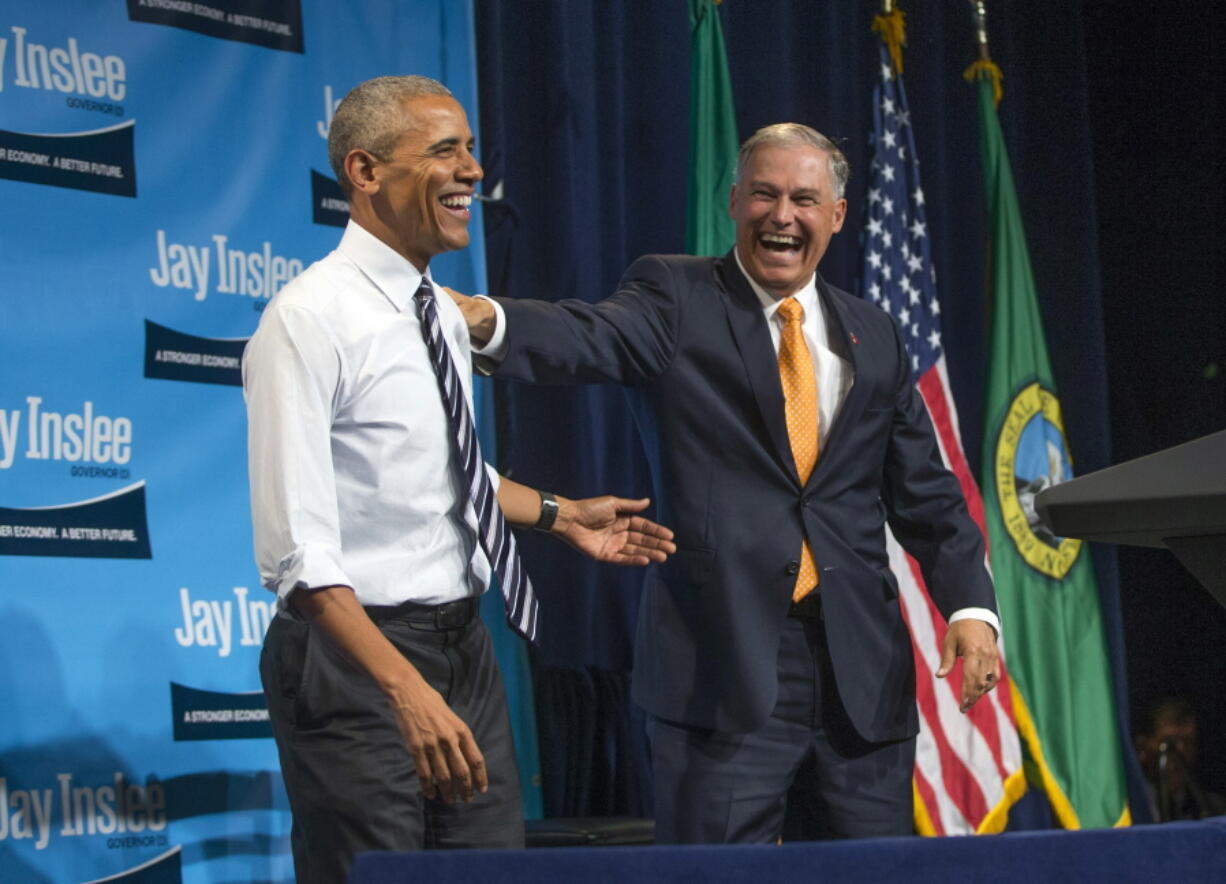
785 213
426 185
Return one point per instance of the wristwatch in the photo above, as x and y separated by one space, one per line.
549 512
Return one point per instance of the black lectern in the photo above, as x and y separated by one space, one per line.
1174 498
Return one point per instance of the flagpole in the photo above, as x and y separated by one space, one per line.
981 28
891 25
984 67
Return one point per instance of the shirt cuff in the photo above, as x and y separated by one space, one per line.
310 566
496 347
988 617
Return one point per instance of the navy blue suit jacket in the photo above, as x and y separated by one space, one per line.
688 337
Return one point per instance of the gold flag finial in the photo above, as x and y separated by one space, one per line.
891 24
984 67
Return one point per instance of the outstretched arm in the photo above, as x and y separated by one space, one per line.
630 337
606 528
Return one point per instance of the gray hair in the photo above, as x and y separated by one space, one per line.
371 117
797 135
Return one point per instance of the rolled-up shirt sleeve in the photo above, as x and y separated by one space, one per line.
292 370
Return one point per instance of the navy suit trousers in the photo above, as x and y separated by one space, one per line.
806 774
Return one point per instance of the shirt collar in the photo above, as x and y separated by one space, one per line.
391 272
806 295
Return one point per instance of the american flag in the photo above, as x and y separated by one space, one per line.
968 768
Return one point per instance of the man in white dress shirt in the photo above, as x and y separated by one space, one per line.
386 703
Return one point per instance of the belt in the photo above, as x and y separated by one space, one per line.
449 615
808 609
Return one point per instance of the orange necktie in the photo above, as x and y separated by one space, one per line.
800 406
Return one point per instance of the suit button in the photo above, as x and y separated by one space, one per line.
793 568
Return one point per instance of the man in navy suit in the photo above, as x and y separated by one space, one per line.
771 651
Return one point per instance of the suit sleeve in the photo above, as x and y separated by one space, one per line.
627 338
926 509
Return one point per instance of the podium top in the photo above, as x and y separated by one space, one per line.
1177 492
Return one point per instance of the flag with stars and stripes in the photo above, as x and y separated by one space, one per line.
968 768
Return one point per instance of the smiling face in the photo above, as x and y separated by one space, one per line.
422 191
785 213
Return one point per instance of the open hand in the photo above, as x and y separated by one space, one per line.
606 529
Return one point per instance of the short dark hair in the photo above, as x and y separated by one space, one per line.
1175 710
371 117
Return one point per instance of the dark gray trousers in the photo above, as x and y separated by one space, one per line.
351 781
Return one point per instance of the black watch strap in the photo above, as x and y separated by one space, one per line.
549 512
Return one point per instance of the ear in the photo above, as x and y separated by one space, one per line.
360 167
840 215
732 201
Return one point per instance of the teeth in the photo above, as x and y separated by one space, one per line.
457 201
781 239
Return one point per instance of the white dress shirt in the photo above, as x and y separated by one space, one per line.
350 452
834 373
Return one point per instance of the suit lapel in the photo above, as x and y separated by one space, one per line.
844 333
753 340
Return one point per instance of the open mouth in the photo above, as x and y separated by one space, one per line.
457 203
780 242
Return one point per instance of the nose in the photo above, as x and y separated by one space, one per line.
470 169
782 212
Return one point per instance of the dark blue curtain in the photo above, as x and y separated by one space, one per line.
1156 111
584 126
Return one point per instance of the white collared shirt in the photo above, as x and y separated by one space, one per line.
350 452
835 374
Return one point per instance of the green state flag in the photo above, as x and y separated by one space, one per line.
1048 594
713 138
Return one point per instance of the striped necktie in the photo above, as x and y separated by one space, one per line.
495 537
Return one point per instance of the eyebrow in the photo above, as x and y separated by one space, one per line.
803 191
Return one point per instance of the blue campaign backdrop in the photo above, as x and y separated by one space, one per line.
164 170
